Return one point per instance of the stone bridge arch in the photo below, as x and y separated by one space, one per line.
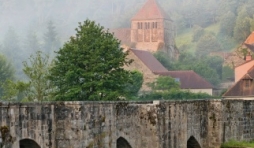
122 143
193 143
28 143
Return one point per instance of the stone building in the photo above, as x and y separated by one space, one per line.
151 69
151 30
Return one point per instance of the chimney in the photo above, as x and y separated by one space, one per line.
248 57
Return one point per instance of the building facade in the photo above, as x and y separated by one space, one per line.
153 30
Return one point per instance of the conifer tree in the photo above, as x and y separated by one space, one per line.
51 42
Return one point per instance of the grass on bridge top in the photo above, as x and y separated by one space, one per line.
238 144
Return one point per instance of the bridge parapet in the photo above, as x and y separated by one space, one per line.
153 124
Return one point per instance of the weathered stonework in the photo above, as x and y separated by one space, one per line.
158 124
138 65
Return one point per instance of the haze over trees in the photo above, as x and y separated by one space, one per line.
201 27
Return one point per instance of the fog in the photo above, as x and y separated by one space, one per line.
26 15
25 22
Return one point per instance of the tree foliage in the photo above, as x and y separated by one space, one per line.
90 66
209 67
227 24
165 60
37 71
227 73
164 83
51 42
136 80
242 26
167 88
198 32
6 73
15 91
207 44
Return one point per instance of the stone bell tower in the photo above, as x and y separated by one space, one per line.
153 30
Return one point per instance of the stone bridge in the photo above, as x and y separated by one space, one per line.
155 124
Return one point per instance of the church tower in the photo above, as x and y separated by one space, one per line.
153 30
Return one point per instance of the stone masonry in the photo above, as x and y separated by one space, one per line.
157 124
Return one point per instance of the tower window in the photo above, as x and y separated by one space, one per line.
154 25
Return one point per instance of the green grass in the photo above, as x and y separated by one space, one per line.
233 143
215 28
184 39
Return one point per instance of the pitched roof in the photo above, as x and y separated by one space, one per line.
123 34
149 60
240 89
243 63
151 10
250 39
249 42
188 79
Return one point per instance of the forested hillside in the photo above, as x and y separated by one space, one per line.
202 26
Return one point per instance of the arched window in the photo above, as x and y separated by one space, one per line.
122 143
193 143
28 143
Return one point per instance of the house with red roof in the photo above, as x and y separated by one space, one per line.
244 75
151 68
190 81
249 42
243 88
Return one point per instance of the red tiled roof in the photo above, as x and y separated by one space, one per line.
151 10
244 63
188 79
250 39
240 89
123 34
149 60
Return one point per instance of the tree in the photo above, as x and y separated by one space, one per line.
206 72
6 73
227 73
165 83
198 32
32 43
227 24
51 43
12 50
37 70
207 44
15 91
136 80
90 66
216 63
242 27
164 60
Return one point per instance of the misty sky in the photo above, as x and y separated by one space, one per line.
33 15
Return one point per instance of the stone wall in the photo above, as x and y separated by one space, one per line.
158 124
148 75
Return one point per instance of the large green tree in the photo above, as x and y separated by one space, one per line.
90 66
